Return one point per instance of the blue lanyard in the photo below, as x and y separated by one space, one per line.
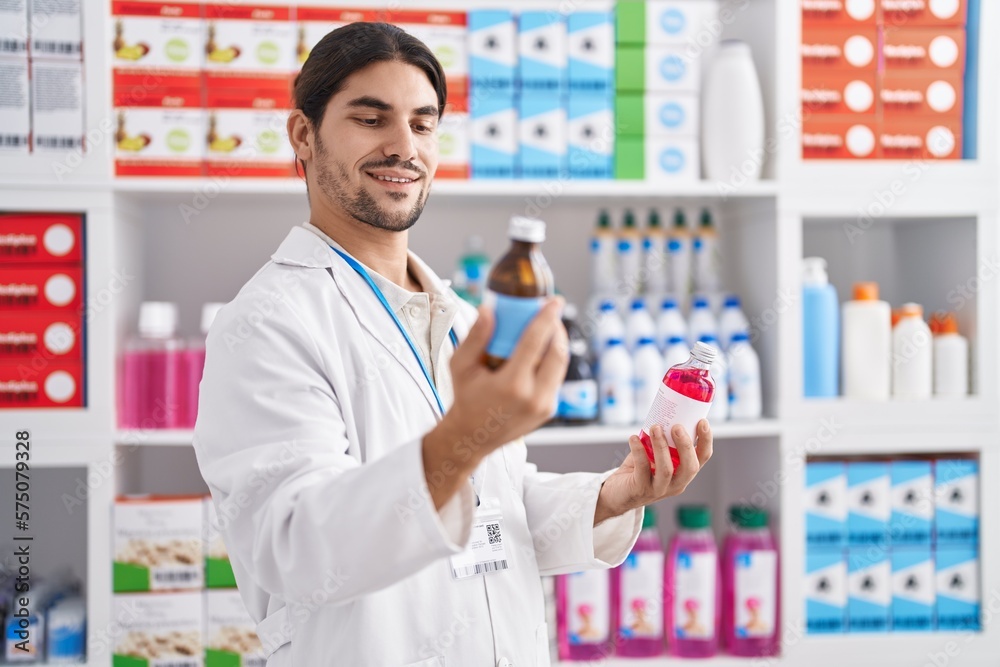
354 264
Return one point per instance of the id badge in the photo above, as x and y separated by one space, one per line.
486 551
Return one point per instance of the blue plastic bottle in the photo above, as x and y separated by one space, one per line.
820 331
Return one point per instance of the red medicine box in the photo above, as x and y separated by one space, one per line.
920 13
921 93
838 13
41 385
37 289
42 335
924 48
34 238
838 92
840 138
921 138
840 48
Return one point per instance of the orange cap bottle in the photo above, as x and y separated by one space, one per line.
866 291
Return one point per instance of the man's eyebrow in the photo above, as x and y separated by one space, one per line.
370 102
429 110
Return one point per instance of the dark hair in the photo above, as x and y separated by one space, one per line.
344 51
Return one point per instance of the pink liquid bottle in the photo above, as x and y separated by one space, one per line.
684 398
694 589
153 370
584 612
194 366
750 608
637 588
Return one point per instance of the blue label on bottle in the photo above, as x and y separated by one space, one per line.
595 245
512 313
578 400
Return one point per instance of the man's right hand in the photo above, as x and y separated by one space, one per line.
494 407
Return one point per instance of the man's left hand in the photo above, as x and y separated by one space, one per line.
632 485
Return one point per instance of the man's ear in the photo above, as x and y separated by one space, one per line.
300 134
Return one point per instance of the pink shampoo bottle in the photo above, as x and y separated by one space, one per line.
637 588
694 588
750 608
584 612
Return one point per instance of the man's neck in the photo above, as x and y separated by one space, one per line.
385 252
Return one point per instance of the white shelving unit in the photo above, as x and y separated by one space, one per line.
948 212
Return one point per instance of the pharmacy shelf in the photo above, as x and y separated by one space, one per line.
969 414
932 648
554 436
667 661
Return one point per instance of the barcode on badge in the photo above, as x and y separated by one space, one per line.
481 568
493 532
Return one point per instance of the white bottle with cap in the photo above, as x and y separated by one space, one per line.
649 370
701 322
153 371
912 355
745 399
719 411
609 325
677 351
670 323
867 345
732 321
951 360
638 325
194 363
615 382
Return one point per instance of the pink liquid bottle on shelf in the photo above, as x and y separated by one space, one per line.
194 365
637 588
684 398
153 370
750 608
694 586
584 612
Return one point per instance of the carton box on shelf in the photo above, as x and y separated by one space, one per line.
158 543
826 504
840 13
246 133
493 46
956 491
868 503
912 502
446 35
41 238
666 69
453 139
57 385
843 48
158 629
218 569
162 39
57 106
840 137
672 159
924 48
958 596
591 135
923 12
590 46
869 589
927 93
826 591
664 21
15 114
43 336
231 635
39 288
921 137
657 114
630 158
840 92
542 55
542 135
56 29
248 44
313 24
14 18
494 133
161 135
913 589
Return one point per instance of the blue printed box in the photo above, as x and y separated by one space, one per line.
956 490
591 134
542 55
912 518
492 49
543 146
869 589
958 599
494 135
913 589
590 46
868 503
826 591
826 504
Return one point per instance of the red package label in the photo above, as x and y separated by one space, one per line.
336 14
838 138
234 11
921 93
32 288
924 48
45 385
918 13
45 336
838 92
840 48
921 138
33 238
839 12
156 8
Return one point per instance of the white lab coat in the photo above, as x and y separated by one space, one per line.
309 435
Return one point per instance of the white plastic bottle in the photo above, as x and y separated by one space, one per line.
701 321
609 325
745 396
615 382
649 371
719 412
638 325
677 352
629 256
951 360
679 257
732 320
603 258
867 341
706 256
912 355
655 257
670 323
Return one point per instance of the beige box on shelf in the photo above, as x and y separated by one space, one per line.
231 636
159 629
158 543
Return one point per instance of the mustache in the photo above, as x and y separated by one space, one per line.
394 164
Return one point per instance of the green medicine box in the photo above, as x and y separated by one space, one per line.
630 114
630 22
630 158
630 69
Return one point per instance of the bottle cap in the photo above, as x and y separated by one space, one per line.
948 323
709 339
673 340
739 337
748 516
654 218
895 315
912 310
157 319
604 220
530 230
669 302
866 291
706 218
699 302
646 340
704 352
814 271
694 517
679 220
208 313
607 305
638 303
612 342
629 218
732 301
648 517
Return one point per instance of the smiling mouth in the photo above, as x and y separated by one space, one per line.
402 180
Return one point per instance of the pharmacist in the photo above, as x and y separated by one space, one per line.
352 449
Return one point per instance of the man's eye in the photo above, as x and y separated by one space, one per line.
423 129
370 122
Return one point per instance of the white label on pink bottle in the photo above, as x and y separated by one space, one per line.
695 579
671 407
641 603
756 593
588 603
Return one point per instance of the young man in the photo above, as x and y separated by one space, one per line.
352 438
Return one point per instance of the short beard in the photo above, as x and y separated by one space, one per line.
360 204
